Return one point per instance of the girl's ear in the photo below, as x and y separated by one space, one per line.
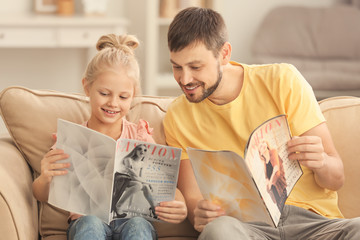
225 53
85 86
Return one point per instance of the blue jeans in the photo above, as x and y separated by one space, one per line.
91 227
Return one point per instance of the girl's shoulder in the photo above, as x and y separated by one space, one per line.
139 131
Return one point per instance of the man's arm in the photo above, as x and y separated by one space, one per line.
315 150
200 211
188 186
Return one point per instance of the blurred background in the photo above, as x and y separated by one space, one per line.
46 44
31 58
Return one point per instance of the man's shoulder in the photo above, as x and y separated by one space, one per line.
178 103
177 110
271 67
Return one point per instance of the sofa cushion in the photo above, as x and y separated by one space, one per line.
31 117
343 116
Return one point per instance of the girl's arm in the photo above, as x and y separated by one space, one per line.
173 211
49 169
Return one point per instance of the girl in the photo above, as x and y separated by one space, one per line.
111 81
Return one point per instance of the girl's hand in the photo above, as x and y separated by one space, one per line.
50 167
172 211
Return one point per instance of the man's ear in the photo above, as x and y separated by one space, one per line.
85 86
225 53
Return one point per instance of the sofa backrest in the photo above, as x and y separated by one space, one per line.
343 117
31 117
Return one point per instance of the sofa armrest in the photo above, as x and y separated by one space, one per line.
18 207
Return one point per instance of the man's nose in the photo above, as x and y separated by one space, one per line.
186 77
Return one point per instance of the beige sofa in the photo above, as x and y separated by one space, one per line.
322 42
30 116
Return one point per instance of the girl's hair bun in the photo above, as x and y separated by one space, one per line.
126 43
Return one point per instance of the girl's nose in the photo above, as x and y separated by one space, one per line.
112 102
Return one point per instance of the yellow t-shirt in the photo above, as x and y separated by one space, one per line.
268 90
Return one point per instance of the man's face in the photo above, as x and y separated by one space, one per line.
197 71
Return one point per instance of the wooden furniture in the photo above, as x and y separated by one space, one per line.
51 31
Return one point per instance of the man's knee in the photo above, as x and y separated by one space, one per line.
352 227
224 227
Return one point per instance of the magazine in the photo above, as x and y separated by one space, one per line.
113 179
253 188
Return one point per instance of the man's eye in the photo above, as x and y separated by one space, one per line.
195 68
176 67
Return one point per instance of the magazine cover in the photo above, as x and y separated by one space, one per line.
253 189
112 179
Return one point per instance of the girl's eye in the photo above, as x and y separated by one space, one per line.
103 94
124 97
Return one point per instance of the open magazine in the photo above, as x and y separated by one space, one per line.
253 189
113 179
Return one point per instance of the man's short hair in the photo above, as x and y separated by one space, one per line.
197 25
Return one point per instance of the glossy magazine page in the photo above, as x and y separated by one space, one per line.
112 179
145 174
254 189
225 180
86 189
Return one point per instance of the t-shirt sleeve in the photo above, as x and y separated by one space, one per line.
302 109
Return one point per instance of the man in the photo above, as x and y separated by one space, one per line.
223 102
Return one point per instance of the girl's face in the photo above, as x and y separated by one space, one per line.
110 97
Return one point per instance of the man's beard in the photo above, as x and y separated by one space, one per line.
206 92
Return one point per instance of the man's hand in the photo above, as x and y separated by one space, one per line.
205 212
315 150
308 150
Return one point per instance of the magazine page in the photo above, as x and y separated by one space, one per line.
224 179
145 174
86 189
267 158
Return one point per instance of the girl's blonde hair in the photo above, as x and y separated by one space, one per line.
114 52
